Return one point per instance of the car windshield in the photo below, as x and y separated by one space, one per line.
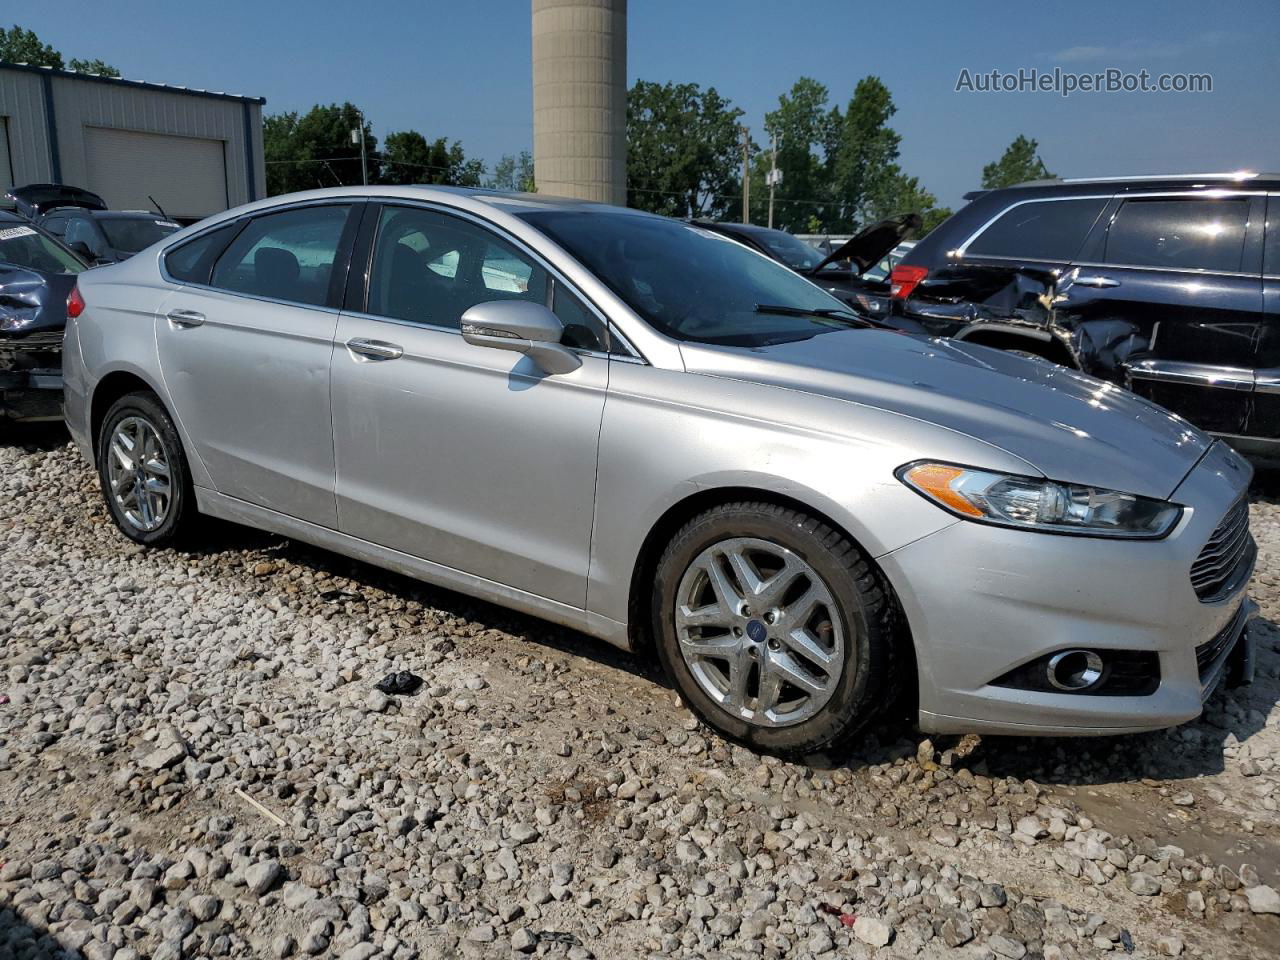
134 233
691 283
24 246
792 251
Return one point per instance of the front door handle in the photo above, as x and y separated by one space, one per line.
185 318
1093 280
374 349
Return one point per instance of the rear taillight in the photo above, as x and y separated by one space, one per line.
75 303
904 279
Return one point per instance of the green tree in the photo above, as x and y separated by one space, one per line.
897 194
864 169
93 66
806 134
315 149
1019 164
513 173
682 149
408 157
23 46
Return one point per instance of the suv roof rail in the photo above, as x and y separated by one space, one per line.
1234 175
1224 175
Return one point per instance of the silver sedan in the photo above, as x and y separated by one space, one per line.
649 433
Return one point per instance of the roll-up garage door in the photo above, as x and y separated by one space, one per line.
186 176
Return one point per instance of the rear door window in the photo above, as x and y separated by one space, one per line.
1039 230
1179 234
285 256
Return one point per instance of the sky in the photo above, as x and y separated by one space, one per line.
463 70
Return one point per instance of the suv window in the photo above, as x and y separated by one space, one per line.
56 225
285 256
1039 230
132 234
1191 234
190 262
430 268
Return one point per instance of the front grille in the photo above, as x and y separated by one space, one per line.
1226 557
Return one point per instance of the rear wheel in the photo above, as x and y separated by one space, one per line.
774 628
143 471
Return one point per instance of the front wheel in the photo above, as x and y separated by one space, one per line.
773 627
143 471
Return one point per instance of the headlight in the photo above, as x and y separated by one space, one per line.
1030 503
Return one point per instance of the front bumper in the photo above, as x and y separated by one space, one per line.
982 600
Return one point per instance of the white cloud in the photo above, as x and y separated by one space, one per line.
1114 54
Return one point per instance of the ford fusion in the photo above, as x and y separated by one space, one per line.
643 430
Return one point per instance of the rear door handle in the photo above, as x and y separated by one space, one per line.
1093 280
374 349
185 318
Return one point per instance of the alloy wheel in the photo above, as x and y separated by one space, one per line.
138 474
759 630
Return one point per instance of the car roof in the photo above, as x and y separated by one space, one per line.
476 199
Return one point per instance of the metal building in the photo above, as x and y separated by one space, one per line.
194 151
580 98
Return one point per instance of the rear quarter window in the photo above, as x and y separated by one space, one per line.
192 261
1186 234
1038 230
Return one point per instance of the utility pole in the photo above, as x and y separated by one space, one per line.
746 172
774 175
357 136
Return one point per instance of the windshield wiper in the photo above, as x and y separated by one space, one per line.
826 313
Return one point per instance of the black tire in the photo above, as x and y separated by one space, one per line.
867 681
180 514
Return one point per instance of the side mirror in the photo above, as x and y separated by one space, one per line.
522 327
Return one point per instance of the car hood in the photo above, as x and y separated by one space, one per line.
870 246
37 299
1065 424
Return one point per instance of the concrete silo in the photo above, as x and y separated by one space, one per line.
580 98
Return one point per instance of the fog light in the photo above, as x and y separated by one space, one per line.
1074 670
1105 673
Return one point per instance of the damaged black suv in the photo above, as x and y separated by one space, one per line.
1169 286
37 274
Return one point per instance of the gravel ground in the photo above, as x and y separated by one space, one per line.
194 762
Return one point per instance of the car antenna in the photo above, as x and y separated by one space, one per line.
156 204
